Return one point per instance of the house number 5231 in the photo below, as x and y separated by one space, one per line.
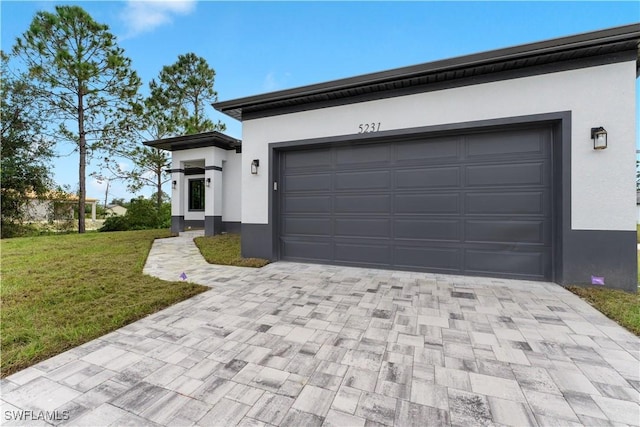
368 127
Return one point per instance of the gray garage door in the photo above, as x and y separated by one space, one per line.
475 203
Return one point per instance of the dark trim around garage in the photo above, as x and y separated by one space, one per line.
577 254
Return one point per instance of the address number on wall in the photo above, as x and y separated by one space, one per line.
368 127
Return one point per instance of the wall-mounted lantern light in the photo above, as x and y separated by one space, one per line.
208 182
254 166
599 137
174 184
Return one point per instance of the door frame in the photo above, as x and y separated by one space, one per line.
560 123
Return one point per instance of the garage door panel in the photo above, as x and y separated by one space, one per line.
362 154
514 144
353 203
428 178
302 159
310 182
427 150
362 253
307 226
473 203
513 203
361 227
442 259
313 250
522 174
428 229
529 264
427 203
534 231
310 204
363 180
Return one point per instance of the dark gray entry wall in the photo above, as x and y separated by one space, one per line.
472 203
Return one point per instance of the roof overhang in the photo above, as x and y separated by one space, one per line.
198 140
609 42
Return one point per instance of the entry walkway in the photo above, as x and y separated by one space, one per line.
303 345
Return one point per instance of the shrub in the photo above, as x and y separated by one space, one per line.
142 214
115 223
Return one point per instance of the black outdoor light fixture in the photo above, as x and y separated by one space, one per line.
208 182
599 137
254 166
174 184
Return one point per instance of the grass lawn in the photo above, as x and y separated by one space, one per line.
225 249
623 307
61 291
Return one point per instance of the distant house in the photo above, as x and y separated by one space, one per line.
54 205
115 210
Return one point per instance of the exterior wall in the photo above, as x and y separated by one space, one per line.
214 160
39 210
599 220
231 194
116 210
596 96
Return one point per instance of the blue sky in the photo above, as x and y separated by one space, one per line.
258 47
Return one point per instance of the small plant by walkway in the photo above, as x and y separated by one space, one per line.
224 249
623 307
61 291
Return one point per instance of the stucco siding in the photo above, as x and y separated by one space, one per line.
601 181
231 199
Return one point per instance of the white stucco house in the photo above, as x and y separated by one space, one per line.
516 163
115 210
54 205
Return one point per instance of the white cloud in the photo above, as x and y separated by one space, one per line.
273 82
145 16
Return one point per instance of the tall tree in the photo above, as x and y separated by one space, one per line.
187 87
156 121
86 79
24 151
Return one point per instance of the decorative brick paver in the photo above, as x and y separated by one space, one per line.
298 344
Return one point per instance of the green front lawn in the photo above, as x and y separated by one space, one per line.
61 291
225 249
623 307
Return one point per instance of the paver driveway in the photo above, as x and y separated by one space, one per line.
303 345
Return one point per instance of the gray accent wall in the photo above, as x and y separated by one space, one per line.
234 227
212 225
608 254
256 241
177 224
193 223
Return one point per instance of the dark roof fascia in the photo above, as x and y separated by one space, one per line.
621 36
199 140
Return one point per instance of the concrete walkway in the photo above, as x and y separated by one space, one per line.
303 345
